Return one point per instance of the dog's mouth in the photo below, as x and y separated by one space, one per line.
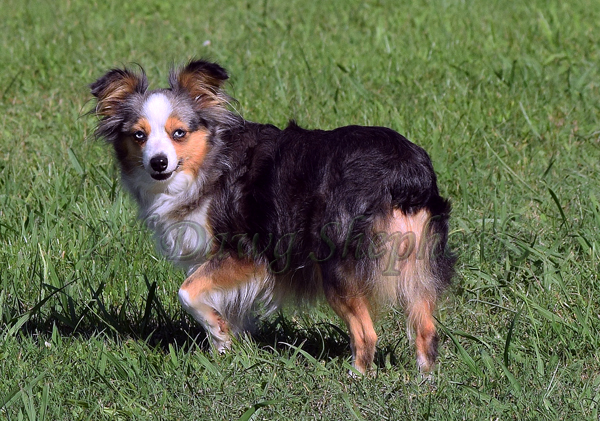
162 176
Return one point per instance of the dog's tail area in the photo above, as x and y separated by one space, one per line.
416 268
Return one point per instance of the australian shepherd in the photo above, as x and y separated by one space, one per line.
259 216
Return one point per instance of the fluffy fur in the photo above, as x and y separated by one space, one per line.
258 215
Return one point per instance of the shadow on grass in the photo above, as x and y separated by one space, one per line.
155 327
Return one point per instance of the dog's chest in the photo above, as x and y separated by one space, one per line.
179 222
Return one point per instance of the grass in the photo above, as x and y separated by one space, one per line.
504 95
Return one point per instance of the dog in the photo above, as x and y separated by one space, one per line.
259 216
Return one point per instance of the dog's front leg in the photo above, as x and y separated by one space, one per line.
197 295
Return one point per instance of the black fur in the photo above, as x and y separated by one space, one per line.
297 198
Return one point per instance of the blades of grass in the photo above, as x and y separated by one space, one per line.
471 337
482 396
482 243
158 306
124 399
250 411
17 324
173 356
16 391
428 413
550 165
212 369
306 355
104 315
44 401
148 309
68 315
352 408
548 315
12 394
11 83
596 206
352 370
584 323
508 168
121 370
516 386
2 299
560 209
290 362
102 364
534 343
509 336
529 123
75 162
29 405
464 355
44 265
489 363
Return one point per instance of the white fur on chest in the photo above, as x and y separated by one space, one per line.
181 234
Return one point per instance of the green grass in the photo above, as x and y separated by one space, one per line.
504 95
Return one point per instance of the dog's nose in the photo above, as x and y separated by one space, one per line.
159 163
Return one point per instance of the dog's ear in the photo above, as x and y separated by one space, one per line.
202 80
112 88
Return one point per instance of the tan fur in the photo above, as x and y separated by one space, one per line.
174 123
406 277
421 317
203 88
404 245
113 95
355 313
142 125
191 149
229 273
209 278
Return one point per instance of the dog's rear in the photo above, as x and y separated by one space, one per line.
355 214
412 267
418 269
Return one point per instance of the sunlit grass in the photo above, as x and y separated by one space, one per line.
505 97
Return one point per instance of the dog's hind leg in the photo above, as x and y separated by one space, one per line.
204 295
421 321
354 311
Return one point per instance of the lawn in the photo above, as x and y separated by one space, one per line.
505 96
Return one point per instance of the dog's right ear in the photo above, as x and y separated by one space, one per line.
112 88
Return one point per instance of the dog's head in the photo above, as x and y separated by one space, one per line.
157 133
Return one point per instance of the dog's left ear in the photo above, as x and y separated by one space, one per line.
202 80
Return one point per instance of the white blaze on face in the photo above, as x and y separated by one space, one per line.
157 110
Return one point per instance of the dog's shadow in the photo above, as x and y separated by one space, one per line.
279 333
324 340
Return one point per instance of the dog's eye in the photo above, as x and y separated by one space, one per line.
139 135
178 134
